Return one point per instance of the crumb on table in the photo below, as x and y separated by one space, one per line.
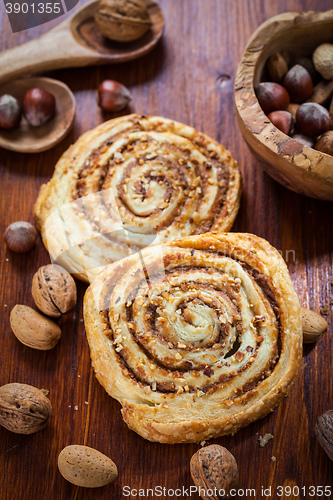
263 440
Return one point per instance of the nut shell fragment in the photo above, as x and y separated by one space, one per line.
214 468
24 409
53 290
85 466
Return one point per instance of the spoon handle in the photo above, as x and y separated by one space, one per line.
55 49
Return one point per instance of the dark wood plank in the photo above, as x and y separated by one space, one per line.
180 79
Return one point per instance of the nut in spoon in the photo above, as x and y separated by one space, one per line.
78 42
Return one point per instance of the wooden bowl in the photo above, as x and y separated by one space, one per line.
298 167
28 139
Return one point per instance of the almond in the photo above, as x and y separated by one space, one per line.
86 466
314 325
33 329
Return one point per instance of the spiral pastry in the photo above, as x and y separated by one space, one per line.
195 338
132 182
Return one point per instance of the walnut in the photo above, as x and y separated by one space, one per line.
214 468
24 409
122 20
53 290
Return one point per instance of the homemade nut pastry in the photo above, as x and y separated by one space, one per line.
131 182
195 338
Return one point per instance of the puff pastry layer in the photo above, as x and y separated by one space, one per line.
131 182
196 338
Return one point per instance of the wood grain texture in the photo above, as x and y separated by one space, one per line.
182 79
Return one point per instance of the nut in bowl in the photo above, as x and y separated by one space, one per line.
292 163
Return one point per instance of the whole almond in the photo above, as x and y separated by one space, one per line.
86 466
314 326
24 409
53 290
33 329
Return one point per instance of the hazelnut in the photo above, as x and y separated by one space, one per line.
307 63
24 409
214 467
10 112
323 60
53 290
272 97
113 96
277 67
122 20
298 83
282 120
325 143
20 236
304 139
33 329
38 106
324 432
312 119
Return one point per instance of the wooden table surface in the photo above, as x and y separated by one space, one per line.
181 79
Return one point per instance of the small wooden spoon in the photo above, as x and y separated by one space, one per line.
78 42
29 139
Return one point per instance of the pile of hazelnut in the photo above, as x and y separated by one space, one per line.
38 107
299 99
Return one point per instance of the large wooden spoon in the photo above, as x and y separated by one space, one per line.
78 42
28 139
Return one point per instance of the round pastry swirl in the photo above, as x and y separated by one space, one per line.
131 182
196 338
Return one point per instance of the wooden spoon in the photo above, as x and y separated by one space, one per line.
78 42
28 139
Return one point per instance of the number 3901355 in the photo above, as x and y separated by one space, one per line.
40 8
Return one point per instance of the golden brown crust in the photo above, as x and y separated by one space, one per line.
154 177
196 338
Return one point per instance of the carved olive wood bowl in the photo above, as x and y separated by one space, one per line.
298 167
